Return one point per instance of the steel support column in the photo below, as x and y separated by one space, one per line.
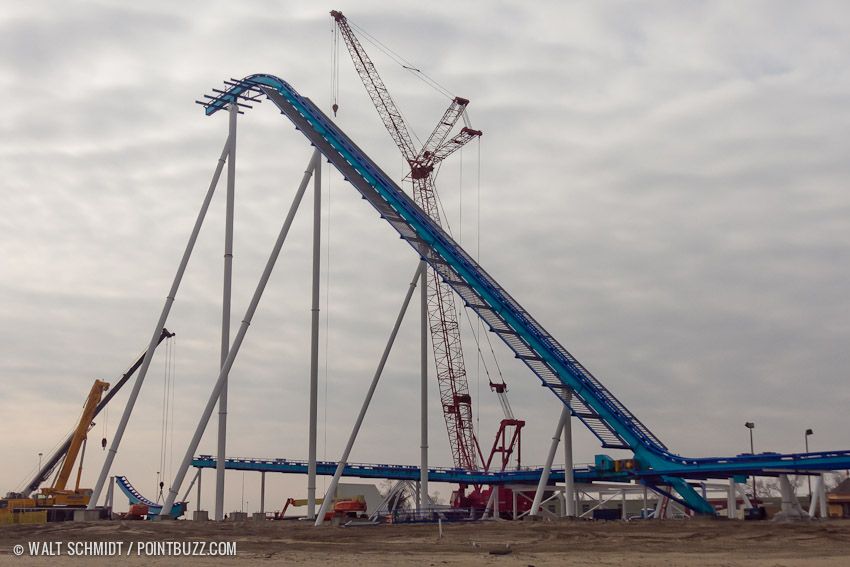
314 343
109 495
732 500
262 492
343 460
225 312
423 385
569 480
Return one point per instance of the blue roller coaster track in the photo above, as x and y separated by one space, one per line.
135 497
559 371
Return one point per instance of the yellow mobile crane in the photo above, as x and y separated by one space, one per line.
57 502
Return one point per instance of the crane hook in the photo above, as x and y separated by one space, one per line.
335 107
103 444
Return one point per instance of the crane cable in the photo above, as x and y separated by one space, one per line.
478 252
167 417
402 62
335 68
105 427
448 228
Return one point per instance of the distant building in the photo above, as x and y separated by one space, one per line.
839 500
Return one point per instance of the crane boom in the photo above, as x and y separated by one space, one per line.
50 465
387 109
80 433
442 313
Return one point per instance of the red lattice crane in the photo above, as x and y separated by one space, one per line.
443 317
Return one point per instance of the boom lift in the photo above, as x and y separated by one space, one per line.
343 508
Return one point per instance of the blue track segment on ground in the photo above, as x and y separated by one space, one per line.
560 371
135 497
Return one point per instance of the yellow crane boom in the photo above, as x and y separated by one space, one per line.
78 438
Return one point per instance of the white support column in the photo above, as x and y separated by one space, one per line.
314 344
569 481
743 492
240 336
225 312
817 504
423 386
814 496
262 492
198 506
643 510
163 318
353 437
191 484
732 500
492 508
110 492
791 509
547 468
623 510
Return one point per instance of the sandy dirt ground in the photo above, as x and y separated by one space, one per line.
538 544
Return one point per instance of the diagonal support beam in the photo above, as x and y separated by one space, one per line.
240 336
547 468
160 324
343 460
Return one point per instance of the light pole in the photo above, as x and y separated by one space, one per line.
750 425
39 460
808 477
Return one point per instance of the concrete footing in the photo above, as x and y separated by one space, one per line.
238 516
200 515
86 515
259 516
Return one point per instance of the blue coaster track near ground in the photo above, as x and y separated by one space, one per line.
589 400
154 509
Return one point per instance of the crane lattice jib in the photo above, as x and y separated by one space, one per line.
378 92
436 148
442 314
455 143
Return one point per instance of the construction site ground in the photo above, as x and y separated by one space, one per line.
637 543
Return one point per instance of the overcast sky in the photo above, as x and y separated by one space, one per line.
663 185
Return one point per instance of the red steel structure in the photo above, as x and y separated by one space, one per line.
443 317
